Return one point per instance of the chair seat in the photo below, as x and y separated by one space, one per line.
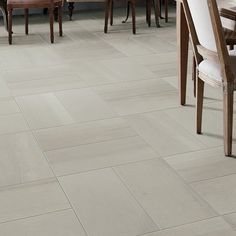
212 71
31 3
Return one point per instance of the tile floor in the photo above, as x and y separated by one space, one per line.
93 141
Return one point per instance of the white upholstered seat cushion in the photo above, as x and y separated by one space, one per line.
212 68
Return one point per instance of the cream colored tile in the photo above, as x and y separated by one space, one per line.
91 132
12 123
220 193
201 165
4 90
44 110
8 106
104 205
124 90
231 219
85 105
163 194
45 85
61 223
99 155
31 199
163 133
21 160
211 227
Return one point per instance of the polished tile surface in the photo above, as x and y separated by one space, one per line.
93 141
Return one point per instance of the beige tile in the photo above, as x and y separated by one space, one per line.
163 194
211 227
163 133
104 205
45 85
31 199
99 155
61 223
231 219
220 193
21 160
12 123
124 90
8 106
4 90
202 165
91 132
85 105
44 110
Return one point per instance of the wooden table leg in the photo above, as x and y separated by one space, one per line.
183 40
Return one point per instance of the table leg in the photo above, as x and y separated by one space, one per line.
183 40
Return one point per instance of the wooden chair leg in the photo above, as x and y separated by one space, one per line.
51 16
199 106
166 10
133 16
10 26
70 9
111 15
27 21
194 76
60 20
156 7
107 9
148 12
228 100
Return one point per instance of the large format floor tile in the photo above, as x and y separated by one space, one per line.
104 205
201 165
44 110
21 160
231 218
212 227
8 106
163 133
85 105
99 155
85 133
31 199
220 193
61 223
163 194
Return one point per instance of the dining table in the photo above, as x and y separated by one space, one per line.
225 6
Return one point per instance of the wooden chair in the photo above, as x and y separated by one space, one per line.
216 65
28 4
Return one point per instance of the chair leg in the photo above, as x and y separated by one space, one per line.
194 76
10 26
71 8
133 16
127 13
26 21
199 106
107 10
51 16
166 10
156 12
148 12
228 121
111 15
60 20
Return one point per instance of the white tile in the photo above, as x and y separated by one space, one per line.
99 155
104 205
8 106
85 133
212 227
85 105
61 223
31 199
163 133
44 110
21 160
163 194
220 193
12 123
201 165
231 219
